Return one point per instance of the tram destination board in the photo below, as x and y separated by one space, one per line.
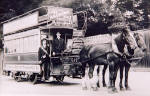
61 17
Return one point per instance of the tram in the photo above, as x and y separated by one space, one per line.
22 39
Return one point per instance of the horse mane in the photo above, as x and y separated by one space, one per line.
120 43
140 41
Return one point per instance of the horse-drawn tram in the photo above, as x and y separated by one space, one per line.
22 40
30 49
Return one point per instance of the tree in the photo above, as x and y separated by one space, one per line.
135 12
108 16
106 19
10 9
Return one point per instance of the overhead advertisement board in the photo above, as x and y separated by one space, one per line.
62 17
78 33
21 23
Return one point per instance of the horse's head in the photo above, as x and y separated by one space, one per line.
129 40
140 41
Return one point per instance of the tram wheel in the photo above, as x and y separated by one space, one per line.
18 79
36 79
60 79
17 76
31 78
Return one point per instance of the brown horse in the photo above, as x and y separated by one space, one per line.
125 63
92 55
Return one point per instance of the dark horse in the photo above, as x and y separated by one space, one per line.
103 54
125 62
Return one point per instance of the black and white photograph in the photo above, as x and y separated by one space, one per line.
74 48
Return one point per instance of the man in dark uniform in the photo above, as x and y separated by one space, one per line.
43 56
58 45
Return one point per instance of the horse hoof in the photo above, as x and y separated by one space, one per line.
95 88
84 88
104 85
114 89
128 88
98 85
109 87
122 89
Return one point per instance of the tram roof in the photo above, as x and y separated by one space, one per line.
29 12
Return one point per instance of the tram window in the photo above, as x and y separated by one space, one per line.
6 50
8 43
33 43
21 46
26 44
17 45
14 46
30 43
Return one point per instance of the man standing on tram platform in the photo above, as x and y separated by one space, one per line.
58 45
43 56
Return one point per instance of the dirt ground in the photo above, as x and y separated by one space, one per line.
138 81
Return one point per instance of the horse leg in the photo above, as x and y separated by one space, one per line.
84 77
116 67
103 73
93 78
98 71
112 75
127 67
121 76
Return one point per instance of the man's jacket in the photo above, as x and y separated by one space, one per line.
43 56
58 45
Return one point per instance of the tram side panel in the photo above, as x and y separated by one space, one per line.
21 52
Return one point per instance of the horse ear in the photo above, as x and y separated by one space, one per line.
125 31
131 51
123 36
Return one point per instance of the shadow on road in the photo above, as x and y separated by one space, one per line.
59 83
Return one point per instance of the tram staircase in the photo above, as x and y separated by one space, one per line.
78 41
